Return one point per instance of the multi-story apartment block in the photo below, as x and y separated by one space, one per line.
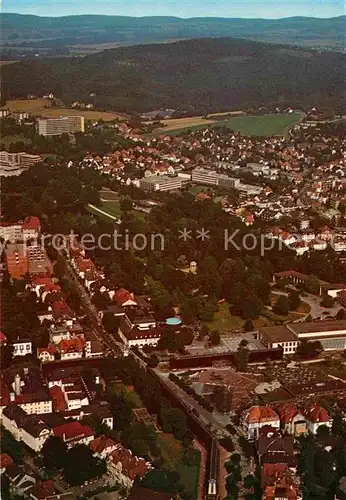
213 178
61 125
16 163
161 183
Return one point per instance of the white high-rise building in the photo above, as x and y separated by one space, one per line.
61 125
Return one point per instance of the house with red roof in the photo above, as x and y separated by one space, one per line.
58 398
102 446
39 282
282 485
315 417
3 338
46 354
292 419
62 312
5 461
31 228
71 349
42 490
124 467
73 433
256 417
124 298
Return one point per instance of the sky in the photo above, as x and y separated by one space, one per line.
182 8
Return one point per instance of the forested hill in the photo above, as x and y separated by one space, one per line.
27 30
200 75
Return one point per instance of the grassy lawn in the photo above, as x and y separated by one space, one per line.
113 208
171 451
9 139
265 125
224 321
198 189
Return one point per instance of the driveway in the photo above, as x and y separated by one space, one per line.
313 301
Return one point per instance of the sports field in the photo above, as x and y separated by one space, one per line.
252 125
42 107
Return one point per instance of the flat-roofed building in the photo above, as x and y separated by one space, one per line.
61 125
16 163
213 178
279 336
39 263
11 232
205 176
161 183
331 334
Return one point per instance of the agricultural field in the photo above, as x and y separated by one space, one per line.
5 63
252 125
42 107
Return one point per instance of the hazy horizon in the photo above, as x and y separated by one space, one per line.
247 9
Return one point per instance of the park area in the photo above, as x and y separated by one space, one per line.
225 322
43 107
251 125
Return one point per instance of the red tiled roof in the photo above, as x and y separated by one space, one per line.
84 264
51 349
32 223
291 274
121 296
72 430
5 461
131 465
61 308
258 414
287 412
52 287
317 414
71 345
43 489
101 443
42 280
59 401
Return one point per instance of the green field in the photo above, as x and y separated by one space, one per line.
171 452
113 209
198 189
264 125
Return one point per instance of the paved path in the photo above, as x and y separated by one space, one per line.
313 301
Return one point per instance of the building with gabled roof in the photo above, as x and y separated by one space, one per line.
71 348
102 446
42 490
252 419
30 429
317 416
5 462
292 419
73 433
